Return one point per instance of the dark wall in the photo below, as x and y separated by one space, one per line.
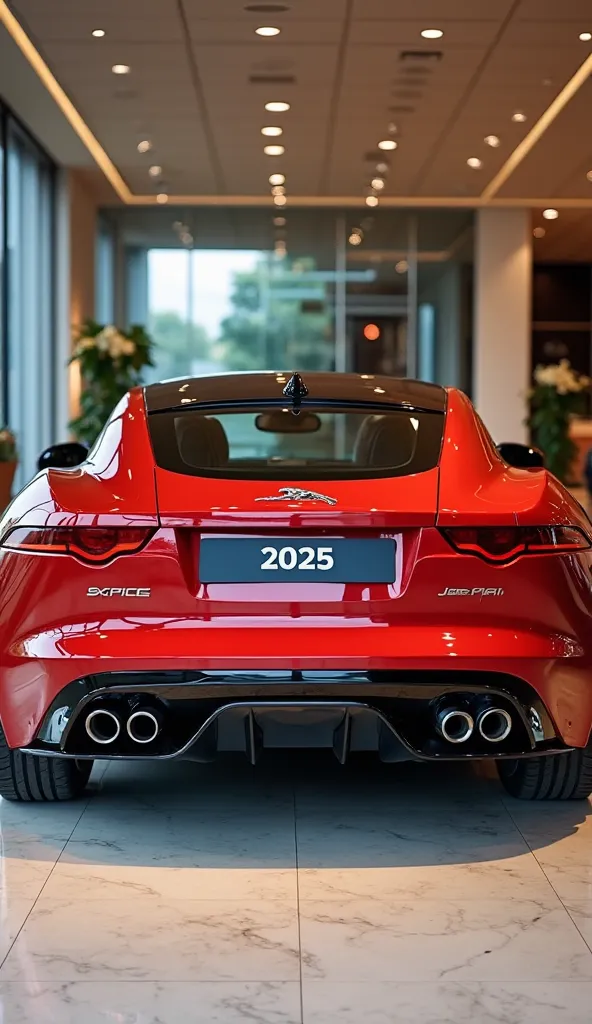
562 315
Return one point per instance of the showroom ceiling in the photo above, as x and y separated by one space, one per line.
354 72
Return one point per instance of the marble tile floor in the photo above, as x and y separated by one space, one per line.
297 892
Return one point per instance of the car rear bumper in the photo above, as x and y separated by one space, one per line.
551 668
202 714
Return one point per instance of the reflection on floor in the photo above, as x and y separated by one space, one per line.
296 891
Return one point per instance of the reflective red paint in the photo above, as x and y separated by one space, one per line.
530 618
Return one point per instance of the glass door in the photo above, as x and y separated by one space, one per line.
379 320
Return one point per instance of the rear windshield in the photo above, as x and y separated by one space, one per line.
271 443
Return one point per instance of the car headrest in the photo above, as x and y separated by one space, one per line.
385 440
202 441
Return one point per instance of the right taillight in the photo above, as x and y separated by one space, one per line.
502 544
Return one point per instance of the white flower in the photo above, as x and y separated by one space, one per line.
562 377
83 345
102 340
117 344
128 347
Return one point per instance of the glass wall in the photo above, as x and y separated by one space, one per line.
27 299
105 272
370 291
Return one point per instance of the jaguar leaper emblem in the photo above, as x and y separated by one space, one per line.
297 494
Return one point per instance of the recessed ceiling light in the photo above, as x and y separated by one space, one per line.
539 232
356 237
377 183
402 267
589 175
121 69
550 214
278 190
144 146
279 222
273 150
267 30
371 200
432 33
387 144
155 171
518 116
475 162
585 36
382 168
492 140
280 200
162 197
277 107
98 33
272 130
277 179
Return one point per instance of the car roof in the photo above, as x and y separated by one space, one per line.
268 385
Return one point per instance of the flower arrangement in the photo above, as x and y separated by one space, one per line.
8 451
111 362
557 395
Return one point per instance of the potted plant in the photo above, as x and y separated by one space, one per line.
557 395
8 464
111 362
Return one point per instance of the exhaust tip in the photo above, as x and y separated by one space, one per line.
143 726
494 724
102 726
454 725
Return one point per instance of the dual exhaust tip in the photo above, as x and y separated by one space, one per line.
457 726
104 725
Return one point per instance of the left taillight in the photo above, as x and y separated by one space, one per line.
94 545
502 544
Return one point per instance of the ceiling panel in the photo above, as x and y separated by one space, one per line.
432 12
231 33
122 20
406 34
551 10
191 90
234 10
230 70
558 164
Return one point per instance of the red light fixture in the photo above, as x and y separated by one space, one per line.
502 544
371 332
91 544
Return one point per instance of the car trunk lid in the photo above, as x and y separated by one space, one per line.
207 503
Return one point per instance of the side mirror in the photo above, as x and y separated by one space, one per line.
63 456
521 456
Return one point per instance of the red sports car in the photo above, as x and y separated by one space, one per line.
248 561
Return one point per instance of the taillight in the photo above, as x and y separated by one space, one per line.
95 545
501 544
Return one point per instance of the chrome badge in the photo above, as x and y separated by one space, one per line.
118 592
475 592
297 494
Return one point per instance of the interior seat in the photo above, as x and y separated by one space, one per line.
202 441
385 440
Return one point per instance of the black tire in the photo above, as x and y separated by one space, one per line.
555 777
26 777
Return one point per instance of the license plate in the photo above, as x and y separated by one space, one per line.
300 559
